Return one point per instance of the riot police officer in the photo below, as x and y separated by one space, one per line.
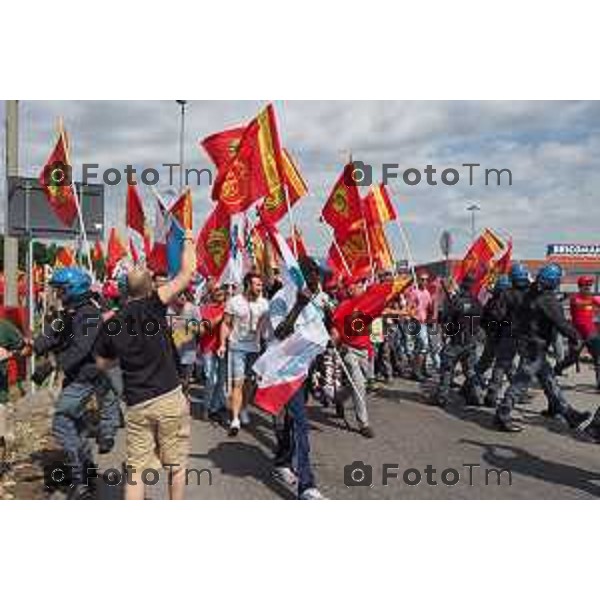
87 404
541 317
491 322
505 328
461 322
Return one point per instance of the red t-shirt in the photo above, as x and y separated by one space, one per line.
583 310
209 341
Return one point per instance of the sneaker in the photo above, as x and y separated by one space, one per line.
507 425
245 417
285 475
311 494
366 431
234 427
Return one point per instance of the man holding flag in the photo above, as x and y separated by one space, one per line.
296 315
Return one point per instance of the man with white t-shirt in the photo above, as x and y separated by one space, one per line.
243 326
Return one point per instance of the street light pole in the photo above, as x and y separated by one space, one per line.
473 209
182 104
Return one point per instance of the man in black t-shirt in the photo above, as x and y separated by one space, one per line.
139 339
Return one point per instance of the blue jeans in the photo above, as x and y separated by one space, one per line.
294 445
214 370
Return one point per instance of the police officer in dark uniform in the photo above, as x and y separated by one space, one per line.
506 329
461 323
87 404
491 321
541 317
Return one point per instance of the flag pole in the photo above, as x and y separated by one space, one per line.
337 247
292 223
84 238
404 238
30 282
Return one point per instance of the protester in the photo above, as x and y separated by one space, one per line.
293 429
157 420
242 329
211 317
356 349
420 304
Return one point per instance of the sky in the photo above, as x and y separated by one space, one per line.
552 149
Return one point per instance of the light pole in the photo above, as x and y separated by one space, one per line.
182 104
473 209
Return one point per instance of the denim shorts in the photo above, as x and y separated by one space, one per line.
240 364
421 339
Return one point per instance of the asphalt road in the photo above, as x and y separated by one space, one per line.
546 461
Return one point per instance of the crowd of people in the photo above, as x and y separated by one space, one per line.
167 349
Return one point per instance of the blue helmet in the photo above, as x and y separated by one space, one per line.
519 274
502 283
549 276
73 280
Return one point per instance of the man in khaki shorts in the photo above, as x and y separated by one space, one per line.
157 420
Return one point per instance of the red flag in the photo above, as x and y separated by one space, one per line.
378 207
213 246
182 209
380 248
299 243
370 303
135 256
479 257
115 251
223 146
256 170
343 207
55 181
156 258
64 257
98 252
135 212
501 267
352 243
503 263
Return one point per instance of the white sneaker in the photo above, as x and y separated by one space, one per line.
234 427
285 475
311 494
245 417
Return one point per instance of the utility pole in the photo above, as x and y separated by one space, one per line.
182 104
473 209
11 244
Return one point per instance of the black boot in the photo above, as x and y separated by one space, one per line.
576 418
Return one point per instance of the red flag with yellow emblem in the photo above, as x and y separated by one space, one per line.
276 206
55 180
256 170
213 246
222 147
343 208
479 257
